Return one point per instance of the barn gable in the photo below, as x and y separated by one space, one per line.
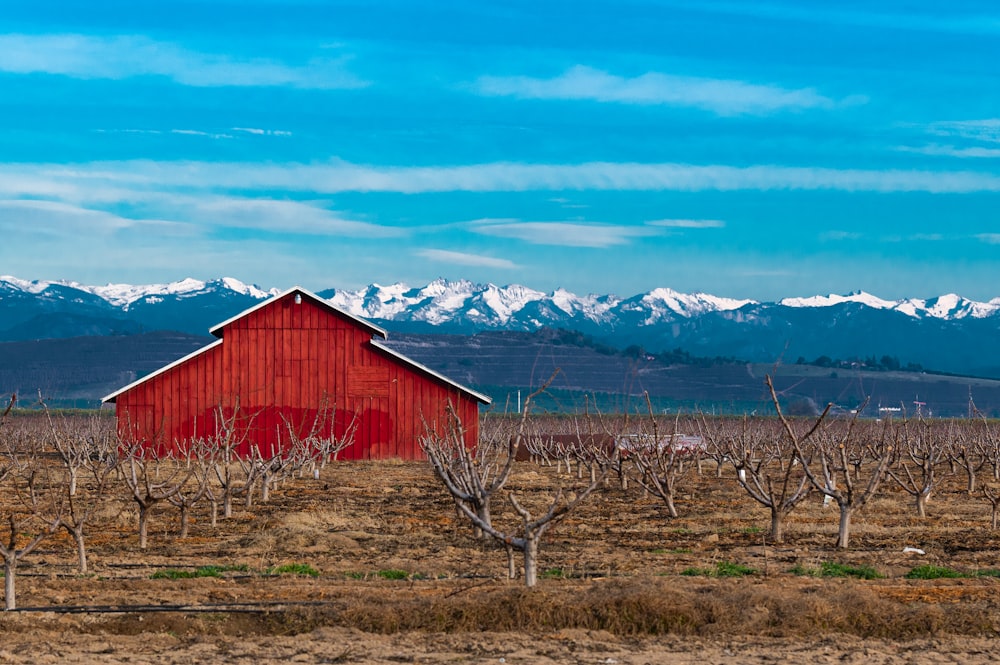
292 364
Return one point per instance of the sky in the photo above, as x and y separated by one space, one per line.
755 150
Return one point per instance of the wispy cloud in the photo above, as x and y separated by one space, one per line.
257 131
126 56
721 96
463 259
563 234
57 220
836 236
269 214
127 180
987 130
688 223
989 238
936 150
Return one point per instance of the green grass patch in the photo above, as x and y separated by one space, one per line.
728 569
929 572
722 569
833 569
804 571
393 574
553 574
697 572
293 569
175 574
989 572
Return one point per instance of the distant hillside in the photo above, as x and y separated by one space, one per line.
947 333
506 362
79 371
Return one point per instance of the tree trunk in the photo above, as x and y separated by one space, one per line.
530 562
184 521
9 567
511 565
227 504
777 526
81 549
922 498
844 532
483 511
669 499
143 518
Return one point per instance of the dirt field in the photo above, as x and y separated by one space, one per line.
400 579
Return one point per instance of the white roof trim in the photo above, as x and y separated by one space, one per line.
166 368
215 330
413 363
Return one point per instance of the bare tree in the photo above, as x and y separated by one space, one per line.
152 478
526 539
473 475
992 493
964 452
97 469
841 460
233 476
767 466
190 493
32 502
660 460
917 454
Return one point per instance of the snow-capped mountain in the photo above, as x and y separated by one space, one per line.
948 332
949 306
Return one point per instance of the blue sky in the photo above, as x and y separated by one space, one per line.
750 150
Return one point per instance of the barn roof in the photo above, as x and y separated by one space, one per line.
362 323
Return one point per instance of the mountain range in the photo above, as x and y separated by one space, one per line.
947 333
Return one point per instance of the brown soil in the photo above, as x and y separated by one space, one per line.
616 581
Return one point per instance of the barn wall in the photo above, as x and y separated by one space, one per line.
300 367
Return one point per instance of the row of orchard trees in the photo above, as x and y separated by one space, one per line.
778 462
74 473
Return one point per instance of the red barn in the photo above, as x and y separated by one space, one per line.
296 362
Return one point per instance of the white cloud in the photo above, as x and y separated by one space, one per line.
564 234
109 182
989 238
987 130
126 56
936 150
269 214
721 96
257 131
835 236
463 259
56 219
688 223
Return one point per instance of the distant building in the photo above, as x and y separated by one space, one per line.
296 361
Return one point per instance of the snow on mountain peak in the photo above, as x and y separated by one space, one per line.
834 299
948 306
34 286
443 301
688 305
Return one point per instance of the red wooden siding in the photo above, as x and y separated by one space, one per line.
288 364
